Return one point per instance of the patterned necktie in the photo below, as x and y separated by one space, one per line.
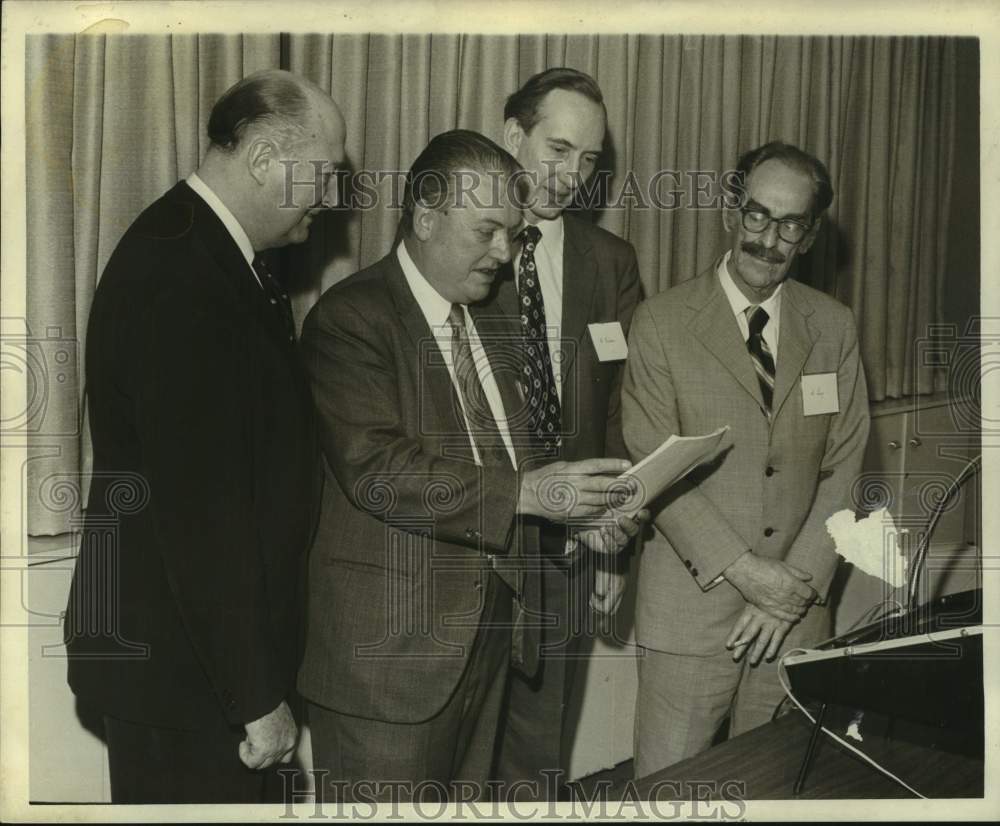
482 425
543 398
276 295
760 354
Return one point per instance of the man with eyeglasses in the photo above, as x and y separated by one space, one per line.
740 564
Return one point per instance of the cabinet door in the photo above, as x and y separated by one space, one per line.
937 450
881 482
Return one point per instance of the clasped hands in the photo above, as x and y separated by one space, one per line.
777 596
583 495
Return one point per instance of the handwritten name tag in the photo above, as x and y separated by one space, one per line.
819 394
609 340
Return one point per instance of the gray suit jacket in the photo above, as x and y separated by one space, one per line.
408 518
689 373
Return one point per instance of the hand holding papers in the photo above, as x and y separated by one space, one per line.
641 484
670 462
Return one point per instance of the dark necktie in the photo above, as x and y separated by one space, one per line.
543 398
276 295
760 355
482 425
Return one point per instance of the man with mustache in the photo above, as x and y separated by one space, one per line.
184 631
740 564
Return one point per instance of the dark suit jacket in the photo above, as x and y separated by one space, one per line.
688 373
206 482
408 517
601 284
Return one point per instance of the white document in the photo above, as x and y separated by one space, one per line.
609 340
819 394
670 462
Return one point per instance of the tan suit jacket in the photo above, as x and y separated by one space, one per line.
773 488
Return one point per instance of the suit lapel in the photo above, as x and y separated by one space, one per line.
506 292
579 281
432 372
500 334
716 328
216 238
795 342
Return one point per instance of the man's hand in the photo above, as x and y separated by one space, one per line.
772 585
760 628
609 588
613 533
565 491
270 739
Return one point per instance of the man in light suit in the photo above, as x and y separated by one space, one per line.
183 624
740 565
555 126
420 554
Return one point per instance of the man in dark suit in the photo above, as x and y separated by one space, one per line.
418 564
555 127
741 563
183 630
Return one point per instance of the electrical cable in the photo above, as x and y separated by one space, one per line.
917 563
782 678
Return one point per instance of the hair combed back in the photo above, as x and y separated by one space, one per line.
432 178
523 104
270 99
797 159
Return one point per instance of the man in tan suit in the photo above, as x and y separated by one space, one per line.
740 563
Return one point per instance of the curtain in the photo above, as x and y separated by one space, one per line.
113 121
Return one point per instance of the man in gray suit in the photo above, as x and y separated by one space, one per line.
420 553
741 563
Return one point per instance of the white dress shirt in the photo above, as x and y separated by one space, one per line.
436 310
549 266
228 219
740 302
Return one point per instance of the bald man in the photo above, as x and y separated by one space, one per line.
183 620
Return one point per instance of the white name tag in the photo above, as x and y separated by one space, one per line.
819 394
609 340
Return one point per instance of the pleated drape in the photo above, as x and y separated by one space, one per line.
113 121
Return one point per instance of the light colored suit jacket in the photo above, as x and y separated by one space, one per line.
408 518
773 488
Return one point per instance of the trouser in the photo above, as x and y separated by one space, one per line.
534 713
427 760
151 764
683 700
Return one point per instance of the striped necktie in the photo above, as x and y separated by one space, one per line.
760 354
482 424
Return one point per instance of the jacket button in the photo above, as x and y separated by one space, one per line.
769 471
687 563
694 572
768 531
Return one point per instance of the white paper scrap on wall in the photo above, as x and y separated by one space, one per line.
871 544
